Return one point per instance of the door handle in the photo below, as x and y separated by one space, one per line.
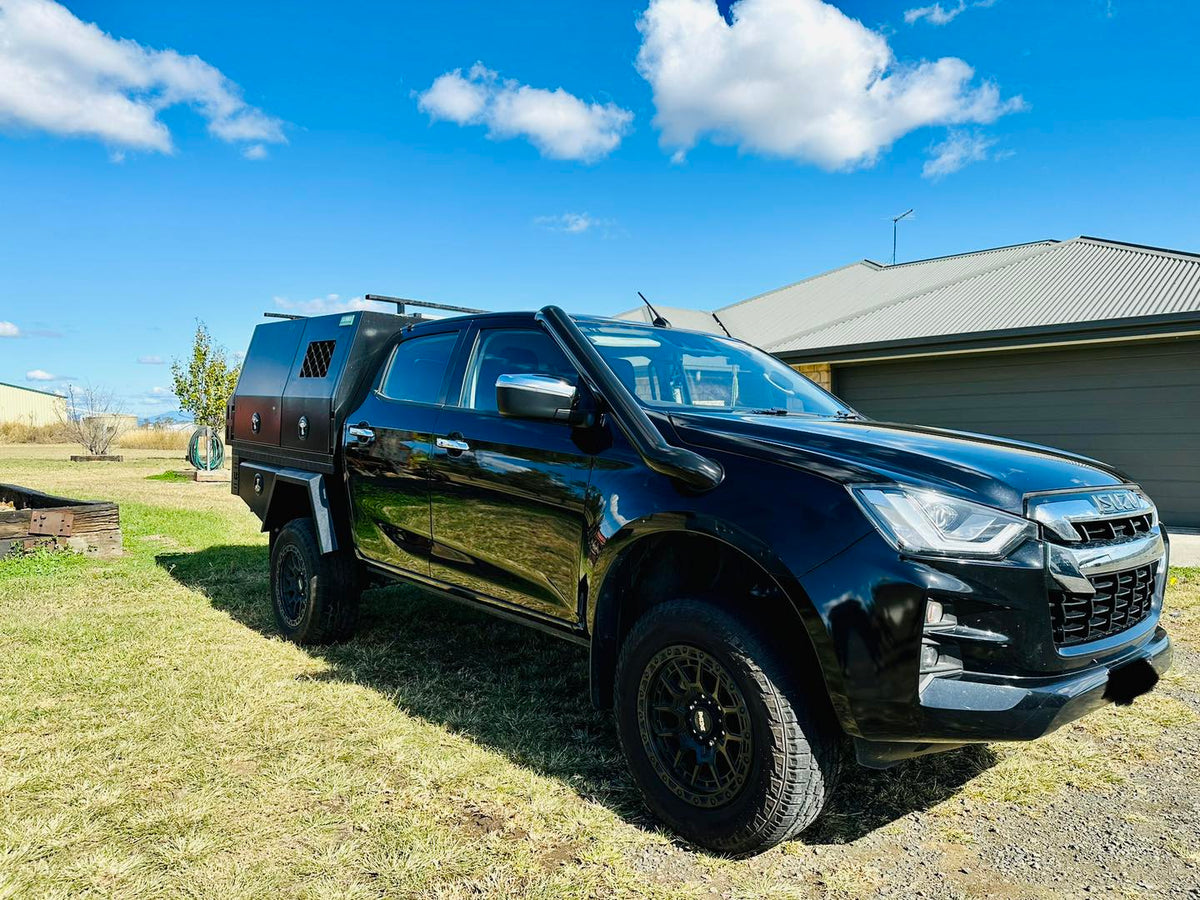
361 434
453 445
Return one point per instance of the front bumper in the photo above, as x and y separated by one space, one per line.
979 709
1000 675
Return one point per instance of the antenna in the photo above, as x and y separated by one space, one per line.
722 324
659 321
895 221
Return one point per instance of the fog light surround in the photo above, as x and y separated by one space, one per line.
929 657
938 660
934 612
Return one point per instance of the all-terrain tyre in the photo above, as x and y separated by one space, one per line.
729 747
315 596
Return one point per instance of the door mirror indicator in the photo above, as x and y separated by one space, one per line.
540 397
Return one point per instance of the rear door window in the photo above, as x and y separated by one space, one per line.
418 367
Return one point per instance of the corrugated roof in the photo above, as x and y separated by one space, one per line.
21 387
1039 284
770 318
691 319
1081 280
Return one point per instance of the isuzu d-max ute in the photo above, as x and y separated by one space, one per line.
763 577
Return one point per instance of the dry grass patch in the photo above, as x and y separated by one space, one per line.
158 739
1181 613
25 433
154 439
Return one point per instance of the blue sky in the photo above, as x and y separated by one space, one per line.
696 154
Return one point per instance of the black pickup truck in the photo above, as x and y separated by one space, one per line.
763 576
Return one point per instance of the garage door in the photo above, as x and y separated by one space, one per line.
1135 405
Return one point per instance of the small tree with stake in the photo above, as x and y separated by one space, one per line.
205 380
93 418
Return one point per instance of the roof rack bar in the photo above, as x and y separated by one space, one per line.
401 302
275 315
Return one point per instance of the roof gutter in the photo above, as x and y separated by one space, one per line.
1130 328
21 387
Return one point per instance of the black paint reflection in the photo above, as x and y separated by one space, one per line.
508 514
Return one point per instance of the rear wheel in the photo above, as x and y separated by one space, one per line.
722 740
315 595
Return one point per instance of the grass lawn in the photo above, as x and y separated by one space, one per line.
157 739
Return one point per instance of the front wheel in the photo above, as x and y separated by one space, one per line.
315 595
723 741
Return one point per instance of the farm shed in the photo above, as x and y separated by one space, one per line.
1088 344
29 406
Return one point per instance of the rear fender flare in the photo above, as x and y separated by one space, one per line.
312 483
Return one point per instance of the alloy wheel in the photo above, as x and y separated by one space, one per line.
695 726
292 586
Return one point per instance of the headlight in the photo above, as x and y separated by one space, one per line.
921 521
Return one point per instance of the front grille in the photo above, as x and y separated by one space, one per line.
1122 599
1115 529
317 359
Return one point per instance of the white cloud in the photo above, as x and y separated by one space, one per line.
936 14
150 360
796 79
255 151
960 148
330 303
558 123
573 223
157 395
457 99
68 77
333 303
40 375
8 329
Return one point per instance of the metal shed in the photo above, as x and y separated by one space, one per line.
29 406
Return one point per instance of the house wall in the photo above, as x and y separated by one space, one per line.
821 373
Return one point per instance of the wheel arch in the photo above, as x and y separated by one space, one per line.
279 494
641 566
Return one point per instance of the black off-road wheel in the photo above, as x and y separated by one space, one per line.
729 747
315 595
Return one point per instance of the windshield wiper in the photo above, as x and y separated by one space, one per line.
842 414
773 411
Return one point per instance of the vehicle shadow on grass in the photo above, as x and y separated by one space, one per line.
525 694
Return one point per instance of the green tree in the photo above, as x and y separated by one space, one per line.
205 380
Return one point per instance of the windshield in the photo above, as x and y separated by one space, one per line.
698 372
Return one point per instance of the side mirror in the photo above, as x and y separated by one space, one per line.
539 397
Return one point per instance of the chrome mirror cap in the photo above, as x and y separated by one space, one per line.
535 397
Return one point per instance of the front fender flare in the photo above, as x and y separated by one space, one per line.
604 607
